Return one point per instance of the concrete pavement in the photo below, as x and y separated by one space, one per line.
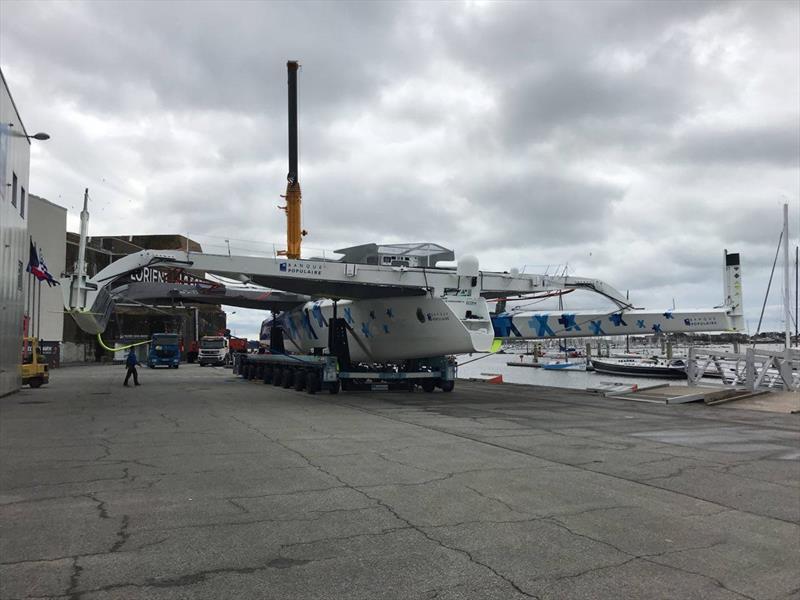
201 485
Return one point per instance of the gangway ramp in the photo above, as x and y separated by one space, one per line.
676 394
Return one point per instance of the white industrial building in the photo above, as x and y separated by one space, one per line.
47 228
15 157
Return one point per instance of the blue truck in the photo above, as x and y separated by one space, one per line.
165 351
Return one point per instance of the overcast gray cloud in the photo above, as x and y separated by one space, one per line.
632 140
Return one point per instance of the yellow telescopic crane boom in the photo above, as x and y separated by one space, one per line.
294 230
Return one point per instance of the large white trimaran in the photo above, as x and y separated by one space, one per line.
395 313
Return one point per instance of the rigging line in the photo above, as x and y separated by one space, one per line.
110 349
769 284
479 358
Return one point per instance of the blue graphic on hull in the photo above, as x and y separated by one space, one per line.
640 323
316 311
596 327
617 320
656 328
307 325
540 323
365 329
504 326
568 321
348 315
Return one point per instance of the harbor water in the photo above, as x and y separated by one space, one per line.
476 366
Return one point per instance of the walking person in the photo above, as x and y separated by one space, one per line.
131 363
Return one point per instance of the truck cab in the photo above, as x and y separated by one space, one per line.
165 351
214 350
34 367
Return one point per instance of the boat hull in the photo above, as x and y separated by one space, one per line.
662 372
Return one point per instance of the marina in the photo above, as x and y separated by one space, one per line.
529 331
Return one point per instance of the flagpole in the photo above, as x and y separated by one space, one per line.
33 310
39 312
28 305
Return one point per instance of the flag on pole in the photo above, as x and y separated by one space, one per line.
51 281
37 268
33 263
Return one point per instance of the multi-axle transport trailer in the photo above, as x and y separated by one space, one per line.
318 373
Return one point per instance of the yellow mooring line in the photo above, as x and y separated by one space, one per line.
103 344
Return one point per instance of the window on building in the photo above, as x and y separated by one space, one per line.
22 202
13 189
19 275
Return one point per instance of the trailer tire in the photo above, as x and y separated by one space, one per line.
428 385
288 378
267 378
334 388
300 380
312 382
447 386
277 377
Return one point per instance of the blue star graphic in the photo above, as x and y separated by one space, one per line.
640 323
656 328
385 329
617 320
668 315
539 322
348 315
596 327
568 321
389 313
365 329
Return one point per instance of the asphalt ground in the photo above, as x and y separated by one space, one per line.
201 485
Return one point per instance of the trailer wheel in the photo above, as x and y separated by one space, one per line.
447 386
312 382
277 377
428 385
288 378
267 374
300 380
334 388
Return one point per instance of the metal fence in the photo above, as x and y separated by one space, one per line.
752 369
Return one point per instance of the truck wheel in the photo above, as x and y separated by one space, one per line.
267 374
312 382
300 377
35 382
428 385
447 386
277 377
334 389
288 378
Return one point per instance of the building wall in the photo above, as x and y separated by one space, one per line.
47 227
14 160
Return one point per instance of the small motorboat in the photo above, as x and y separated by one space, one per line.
567 366
641 367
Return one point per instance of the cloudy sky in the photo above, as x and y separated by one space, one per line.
633 141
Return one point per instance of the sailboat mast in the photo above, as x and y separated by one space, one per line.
786 310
